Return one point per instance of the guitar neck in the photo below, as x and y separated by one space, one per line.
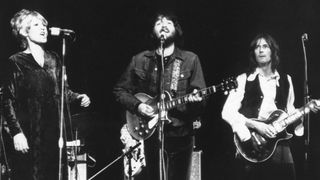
184 99
300 112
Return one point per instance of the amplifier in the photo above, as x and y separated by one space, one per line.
81 168
78 172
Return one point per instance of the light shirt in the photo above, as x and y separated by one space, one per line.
268 86
230 112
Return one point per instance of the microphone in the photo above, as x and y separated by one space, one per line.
305 37
55 31
162 38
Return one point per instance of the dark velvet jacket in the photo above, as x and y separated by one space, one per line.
143 76
31 105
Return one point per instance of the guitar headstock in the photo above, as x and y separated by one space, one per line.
228 84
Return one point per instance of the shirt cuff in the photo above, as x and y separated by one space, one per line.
299 130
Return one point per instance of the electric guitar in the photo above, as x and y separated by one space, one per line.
142 127
260 148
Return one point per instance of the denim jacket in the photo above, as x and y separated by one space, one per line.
143 76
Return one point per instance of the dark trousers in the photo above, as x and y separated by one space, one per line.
264 171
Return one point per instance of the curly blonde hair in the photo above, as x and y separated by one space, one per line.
21 23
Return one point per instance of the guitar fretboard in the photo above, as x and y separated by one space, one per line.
184 99
298 114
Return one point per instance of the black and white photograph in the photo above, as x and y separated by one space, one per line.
159 90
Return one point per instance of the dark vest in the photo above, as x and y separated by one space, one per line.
250 105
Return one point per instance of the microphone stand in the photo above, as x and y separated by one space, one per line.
64 33
127 153
61 122
4 168
162 116
306 116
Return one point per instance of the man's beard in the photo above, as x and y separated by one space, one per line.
169 40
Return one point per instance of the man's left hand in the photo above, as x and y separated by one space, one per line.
315 107
194 97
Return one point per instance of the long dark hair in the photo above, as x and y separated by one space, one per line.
274 47
178 39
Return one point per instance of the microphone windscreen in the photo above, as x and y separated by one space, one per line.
54 31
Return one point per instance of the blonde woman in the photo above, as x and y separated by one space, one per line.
31 100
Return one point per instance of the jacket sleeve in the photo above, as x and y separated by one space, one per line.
69 94
230 112
9 97
197 81
125 89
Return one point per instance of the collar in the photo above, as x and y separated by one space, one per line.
257 72
177 54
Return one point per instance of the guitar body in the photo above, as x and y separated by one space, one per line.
142 127
259 148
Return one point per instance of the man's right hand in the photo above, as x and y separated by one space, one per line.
145 110
264 129
20 143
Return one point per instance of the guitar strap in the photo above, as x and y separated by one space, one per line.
175 75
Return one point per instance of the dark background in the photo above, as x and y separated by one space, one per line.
108 33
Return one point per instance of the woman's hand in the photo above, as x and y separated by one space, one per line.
85 100
20 143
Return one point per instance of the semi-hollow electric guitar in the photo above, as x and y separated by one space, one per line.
259 148
142 127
